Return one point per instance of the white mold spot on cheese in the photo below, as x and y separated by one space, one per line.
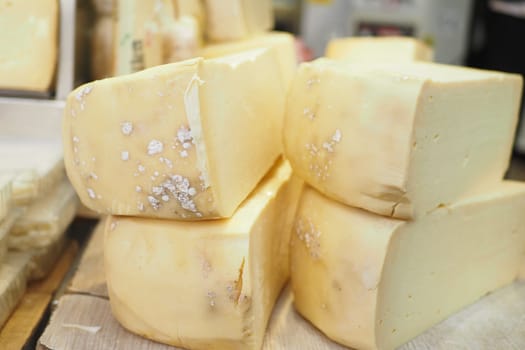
126 128
75 149
179 188
140 206
154 202
211 295
165 198
184 154
76 139
309 235
141 168
82 94
307 112
124 155
369 277
337 136
138 189
155 147
91 193
93 176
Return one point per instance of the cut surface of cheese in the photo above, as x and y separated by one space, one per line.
204 285
45 220
167 142
379 49
282 42
36 166
28 48
237 19
138 38
13 279
5 195
400 140
372 282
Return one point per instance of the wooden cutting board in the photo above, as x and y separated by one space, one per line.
82 320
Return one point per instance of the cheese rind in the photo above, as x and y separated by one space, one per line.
372 282
13 278
166 142
400 140
379 49
29 52
282 42
204 285
237 19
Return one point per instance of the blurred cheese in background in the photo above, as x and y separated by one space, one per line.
41 229
104 7
36 165
237 19
5 195
442 24
102 46
379 49
282 42
28 44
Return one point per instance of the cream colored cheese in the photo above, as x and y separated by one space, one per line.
28 46
5 195
379 49
400 140
167 142
371 282
204 285
237 19
13 278
282 42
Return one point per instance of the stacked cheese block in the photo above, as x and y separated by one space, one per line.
133 35
196 144
406 218
36 206
28 48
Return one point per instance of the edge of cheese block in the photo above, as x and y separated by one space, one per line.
373 282
5 226
191 149
13 279
361 132
5 195
29 64
233 270
380 49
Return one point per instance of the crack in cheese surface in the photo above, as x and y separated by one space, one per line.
167 142
379 49
209 284
400 140
372 282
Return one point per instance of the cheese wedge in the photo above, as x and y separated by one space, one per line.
371 282
167 142
204 285
138 38
5 226
282 42
36 166
45 220
13 278
379 49
237 19
28 47
102 47
5 195
400 140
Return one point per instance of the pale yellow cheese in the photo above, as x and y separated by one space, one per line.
36 165
138 37
5 227
102 47
45 220
379 49
5 195
28 45
400 140
371 282
167 142
237 19
204 285
13 278
282 42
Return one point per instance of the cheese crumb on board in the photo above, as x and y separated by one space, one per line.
204 284
379 49
400 140
372 282
178 132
